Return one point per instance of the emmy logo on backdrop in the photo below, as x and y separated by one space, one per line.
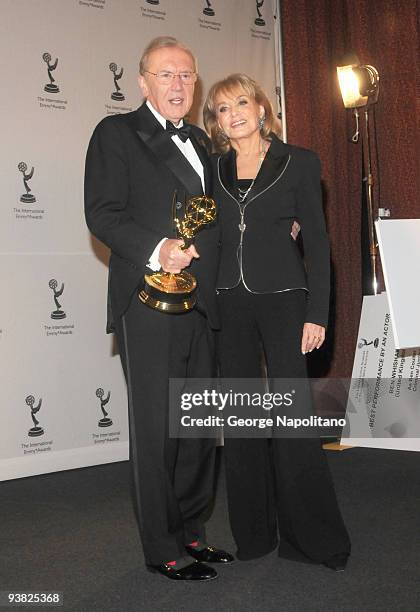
51 87
363 342
116 95
105 421
36 430
28 197
208 10
57 313
259 21
278 94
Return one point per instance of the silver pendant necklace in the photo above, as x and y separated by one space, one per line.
243 193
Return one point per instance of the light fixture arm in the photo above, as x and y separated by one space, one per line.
355 137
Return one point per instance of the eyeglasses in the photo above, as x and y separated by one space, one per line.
165 77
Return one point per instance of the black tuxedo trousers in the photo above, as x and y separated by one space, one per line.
172 478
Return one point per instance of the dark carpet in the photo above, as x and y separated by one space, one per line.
75 532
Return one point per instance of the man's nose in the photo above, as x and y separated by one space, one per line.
176 82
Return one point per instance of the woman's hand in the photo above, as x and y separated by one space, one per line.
295 230
313 336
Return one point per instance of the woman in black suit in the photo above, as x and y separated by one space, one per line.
271 298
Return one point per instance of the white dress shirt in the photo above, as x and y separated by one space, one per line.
190 153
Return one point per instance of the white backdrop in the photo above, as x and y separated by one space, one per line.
60 354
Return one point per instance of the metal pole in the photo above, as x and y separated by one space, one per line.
368 179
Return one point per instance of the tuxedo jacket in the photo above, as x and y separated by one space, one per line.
133 169
264 256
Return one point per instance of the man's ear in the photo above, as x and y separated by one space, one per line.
143 85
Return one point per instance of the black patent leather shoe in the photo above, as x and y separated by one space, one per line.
194 571
210 555
337 563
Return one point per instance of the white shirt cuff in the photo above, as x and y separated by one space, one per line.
153 262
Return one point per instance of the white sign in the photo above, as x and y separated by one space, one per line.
399 244
383 409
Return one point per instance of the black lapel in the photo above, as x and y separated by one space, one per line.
274 163
227 171
155 137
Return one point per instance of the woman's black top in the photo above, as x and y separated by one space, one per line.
256 246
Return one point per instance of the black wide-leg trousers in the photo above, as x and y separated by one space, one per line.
279 485
172 478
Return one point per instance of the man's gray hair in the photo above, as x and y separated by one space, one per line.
161 42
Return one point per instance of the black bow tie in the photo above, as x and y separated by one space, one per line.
183 132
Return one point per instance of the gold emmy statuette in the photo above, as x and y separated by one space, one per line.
175 293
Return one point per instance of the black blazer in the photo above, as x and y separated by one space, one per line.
132 171
287 187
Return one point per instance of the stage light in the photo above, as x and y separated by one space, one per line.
359 87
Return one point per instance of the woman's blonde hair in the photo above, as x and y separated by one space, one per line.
230 85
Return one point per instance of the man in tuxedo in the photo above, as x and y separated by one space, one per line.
135 164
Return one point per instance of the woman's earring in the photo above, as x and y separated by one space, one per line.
261 122
223 134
